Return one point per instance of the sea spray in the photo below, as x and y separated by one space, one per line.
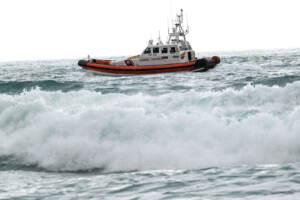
84 130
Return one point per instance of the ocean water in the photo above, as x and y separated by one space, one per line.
230 133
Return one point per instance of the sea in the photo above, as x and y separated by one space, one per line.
232 132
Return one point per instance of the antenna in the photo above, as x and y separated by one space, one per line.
181 15
168 24
159 40
187 24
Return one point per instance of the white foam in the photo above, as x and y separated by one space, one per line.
84 130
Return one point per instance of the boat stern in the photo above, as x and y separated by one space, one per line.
204 64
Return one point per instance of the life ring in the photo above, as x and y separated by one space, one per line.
129 62
182 55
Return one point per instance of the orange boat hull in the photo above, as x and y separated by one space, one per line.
104 66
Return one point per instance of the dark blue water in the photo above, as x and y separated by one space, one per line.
230 133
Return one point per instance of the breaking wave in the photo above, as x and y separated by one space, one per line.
84 130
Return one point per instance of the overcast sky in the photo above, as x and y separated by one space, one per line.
51 29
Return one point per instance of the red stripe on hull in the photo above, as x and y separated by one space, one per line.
145 67
151 71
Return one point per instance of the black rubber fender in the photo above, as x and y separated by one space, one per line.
201 62
82 63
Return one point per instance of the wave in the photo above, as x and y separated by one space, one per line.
280 81
134 87
84 130
13 87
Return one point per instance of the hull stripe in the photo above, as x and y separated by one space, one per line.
150 67
141 71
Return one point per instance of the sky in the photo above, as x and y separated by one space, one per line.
57 29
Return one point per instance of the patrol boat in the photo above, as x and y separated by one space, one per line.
176 55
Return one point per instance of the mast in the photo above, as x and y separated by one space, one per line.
178 34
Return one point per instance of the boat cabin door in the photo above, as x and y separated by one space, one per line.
190 55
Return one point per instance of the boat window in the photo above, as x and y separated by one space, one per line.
187 47
156 50
172 50
165 50
147 51
181 48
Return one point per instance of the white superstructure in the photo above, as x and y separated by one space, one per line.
176 50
